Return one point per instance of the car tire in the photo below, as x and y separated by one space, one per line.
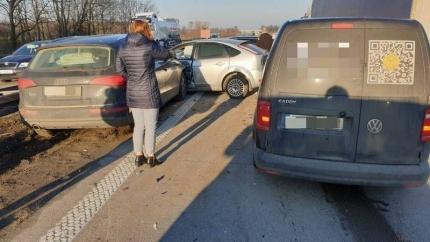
182 89
237 86
44 133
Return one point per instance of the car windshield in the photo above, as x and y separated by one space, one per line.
27 49
74 57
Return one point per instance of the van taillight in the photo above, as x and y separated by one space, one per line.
425 133
342 26
114 80
25 83
263 115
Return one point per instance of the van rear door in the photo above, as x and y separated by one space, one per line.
316 95
394 93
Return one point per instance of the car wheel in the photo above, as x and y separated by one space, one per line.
182 88
237 86
44 133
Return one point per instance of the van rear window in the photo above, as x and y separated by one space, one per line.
74 57
322 62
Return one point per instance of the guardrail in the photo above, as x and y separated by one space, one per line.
8 92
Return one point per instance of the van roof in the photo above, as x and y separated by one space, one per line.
357 22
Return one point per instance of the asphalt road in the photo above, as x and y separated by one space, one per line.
208 190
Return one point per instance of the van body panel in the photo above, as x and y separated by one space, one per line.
346 90
320 78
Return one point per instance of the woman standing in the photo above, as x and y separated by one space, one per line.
136 61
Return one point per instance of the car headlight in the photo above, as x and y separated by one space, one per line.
23 65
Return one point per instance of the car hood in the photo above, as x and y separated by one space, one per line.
17 58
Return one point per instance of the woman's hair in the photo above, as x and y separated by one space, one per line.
141 27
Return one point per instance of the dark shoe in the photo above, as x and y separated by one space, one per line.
152 161
139 160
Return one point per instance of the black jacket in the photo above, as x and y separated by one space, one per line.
136 61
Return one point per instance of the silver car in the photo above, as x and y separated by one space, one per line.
229 65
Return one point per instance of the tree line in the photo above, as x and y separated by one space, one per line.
30 20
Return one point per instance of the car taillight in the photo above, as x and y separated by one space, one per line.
342 25
263 115
25 83
425 133
248 49
114 80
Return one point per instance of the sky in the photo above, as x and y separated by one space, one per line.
246 14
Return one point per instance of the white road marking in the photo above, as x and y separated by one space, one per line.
77 218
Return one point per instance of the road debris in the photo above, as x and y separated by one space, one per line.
25 162
160 178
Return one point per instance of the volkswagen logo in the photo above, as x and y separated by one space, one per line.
374 126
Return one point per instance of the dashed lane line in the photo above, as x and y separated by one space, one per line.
77 218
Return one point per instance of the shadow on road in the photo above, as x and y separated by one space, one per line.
227 105
241 204
43 195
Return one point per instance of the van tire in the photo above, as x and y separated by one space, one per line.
236 86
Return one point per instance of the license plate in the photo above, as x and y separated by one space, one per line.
7 71
55 91
313 122
295 122
72 91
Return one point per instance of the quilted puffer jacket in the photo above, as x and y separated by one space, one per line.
136 61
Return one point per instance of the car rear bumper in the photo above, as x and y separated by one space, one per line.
76 118
79 123
342 172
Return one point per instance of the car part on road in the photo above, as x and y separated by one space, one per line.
237 86
44 133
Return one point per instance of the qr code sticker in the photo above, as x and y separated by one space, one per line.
391 62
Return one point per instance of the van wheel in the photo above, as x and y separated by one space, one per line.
44 133
182 89
237 86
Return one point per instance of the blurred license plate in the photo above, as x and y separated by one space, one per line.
7 71
74 91
313 122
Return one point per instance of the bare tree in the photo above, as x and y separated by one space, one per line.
129 8
10 8
43 19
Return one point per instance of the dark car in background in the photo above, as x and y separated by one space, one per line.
72 83
13 64
346 101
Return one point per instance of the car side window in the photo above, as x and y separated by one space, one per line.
232 52
211 51
184 52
